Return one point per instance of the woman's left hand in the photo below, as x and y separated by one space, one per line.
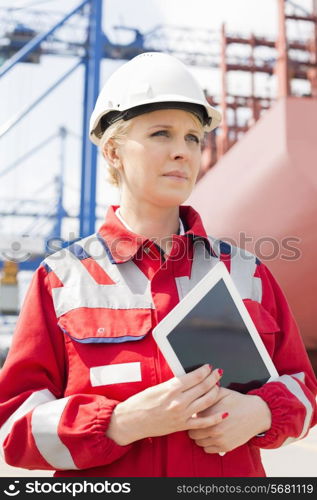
248 416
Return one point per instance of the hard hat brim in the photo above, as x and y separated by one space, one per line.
214 115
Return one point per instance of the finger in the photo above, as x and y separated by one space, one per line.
193 378
203 403
203 388
210 446
203 443
199 434
204 422
213 431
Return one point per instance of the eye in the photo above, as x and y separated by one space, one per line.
193 138
163 133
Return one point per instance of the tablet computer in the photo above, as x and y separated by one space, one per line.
212 325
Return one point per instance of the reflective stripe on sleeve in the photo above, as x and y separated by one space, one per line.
45 422
298 392
36 399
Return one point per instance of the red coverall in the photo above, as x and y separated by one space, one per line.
83 343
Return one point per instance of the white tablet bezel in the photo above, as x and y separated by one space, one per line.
161 331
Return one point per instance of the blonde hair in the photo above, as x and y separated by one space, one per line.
116 132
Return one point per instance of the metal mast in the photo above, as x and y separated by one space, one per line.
89 151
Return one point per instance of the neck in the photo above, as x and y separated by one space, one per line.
152 222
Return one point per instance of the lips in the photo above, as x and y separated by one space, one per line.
176 173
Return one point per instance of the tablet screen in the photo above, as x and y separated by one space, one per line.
214 332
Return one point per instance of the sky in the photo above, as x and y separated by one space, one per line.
33 179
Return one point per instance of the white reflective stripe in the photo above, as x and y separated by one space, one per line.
69 269
131 289
242 269
115 374
202 263
109 296
182 286
256 289
134 279
37 398
45 421
94 247
297 391
127 273
300 376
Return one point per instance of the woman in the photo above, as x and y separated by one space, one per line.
85 390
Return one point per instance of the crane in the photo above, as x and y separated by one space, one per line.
26 35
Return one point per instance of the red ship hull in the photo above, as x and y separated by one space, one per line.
262 195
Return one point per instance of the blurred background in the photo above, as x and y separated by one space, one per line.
257 62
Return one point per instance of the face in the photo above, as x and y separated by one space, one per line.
160 157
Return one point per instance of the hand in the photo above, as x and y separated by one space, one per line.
168 407
248 416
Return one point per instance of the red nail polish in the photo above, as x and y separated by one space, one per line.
224 415
220 371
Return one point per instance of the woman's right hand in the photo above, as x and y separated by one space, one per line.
167 407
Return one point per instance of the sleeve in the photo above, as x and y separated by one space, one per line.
292 396
39 427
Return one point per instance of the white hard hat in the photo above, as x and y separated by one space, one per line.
147 82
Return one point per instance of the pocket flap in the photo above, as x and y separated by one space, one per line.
263 320
106 325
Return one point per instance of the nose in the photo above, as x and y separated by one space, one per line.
179 150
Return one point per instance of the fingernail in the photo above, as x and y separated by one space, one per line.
224 415
210 366
220 371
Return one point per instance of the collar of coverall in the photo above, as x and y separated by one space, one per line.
122 244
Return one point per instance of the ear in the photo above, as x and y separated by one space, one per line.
110 153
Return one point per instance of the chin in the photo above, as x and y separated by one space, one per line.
171 200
